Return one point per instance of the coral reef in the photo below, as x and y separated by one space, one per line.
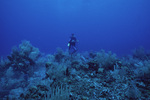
26 74
21 59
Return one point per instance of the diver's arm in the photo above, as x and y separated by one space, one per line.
69 42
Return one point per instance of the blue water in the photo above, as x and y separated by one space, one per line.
116 25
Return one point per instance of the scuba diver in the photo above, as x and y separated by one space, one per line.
72 44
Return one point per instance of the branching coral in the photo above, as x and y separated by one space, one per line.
93 76
106 60
24 57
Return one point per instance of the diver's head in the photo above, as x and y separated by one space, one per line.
72 34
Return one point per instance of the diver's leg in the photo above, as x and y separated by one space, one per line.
70 49
74 49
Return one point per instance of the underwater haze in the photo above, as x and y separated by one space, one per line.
112 61
115 25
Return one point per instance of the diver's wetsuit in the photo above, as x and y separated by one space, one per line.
72 44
